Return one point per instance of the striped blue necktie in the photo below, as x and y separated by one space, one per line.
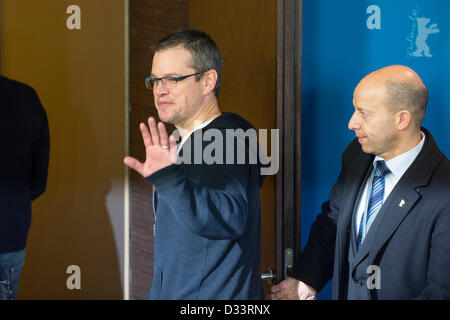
376 197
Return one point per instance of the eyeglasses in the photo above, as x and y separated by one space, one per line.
167 82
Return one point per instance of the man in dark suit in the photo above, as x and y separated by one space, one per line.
24 141
384 233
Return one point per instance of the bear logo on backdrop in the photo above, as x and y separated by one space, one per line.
420 30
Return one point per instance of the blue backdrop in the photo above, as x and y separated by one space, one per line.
342 42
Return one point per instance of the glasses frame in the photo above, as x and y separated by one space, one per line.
152 82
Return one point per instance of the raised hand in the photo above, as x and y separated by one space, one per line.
160 150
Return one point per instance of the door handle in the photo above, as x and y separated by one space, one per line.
269 275
288 261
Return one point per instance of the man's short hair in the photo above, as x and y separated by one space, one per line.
204 51
406 95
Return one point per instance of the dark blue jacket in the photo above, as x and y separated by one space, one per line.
24 141
208 223
410 243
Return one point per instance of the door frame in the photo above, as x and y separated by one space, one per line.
288 180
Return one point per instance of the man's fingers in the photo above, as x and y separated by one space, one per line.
134 164
172 142
275 288
173 149
145 135
276 292
164 139
148 142
273 296
153 131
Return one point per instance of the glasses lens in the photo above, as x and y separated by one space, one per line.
170 82
149 83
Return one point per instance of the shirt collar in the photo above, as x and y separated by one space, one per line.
197 126
401 163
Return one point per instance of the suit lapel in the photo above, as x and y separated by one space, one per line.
352 188
390 216
353 183
399 207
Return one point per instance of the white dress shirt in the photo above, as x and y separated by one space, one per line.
197 125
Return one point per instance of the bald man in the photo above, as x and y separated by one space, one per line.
384 233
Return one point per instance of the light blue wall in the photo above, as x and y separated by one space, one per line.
338 51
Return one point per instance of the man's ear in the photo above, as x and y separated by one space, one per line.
403 119
209 80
